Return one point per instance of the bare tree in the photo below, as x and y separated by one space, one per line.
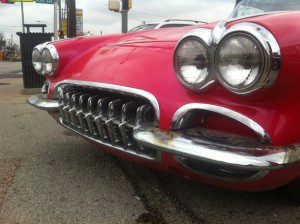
11 46
2 41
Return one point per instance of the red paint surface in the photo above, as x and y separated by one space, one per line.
143 60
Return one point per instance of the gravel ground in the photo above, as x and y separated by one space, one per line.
49 175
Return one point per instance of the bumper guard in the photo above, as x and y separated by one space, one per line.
41 102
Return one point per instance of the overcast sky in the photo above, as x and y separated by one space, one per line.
97 17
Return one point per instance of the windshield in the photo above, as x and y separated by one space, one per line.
143 27
254 7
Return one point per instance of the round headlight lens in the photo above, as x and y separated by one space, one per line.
239 62
191 62
37 60
49 63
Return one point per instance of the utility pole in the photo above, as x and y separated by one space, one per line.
60 36
59 15
55 20
126 5
114 5
71 5
22 12
124 21
11 47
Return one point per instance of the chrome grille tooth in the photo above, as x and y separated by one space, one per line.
112 137
125 117
89 120
102 108
82 104
73 110
141 115
61 102
126 109
114 110
100 126
75 99
91 106
80 117
141 119
67 105
102 105
72 113
83 101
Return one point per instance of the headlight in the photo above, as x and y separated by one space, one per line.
192 63
239 62
45 59
50 59
37 60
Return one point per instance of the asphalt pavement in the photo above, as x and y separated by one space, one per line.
50 175
10 67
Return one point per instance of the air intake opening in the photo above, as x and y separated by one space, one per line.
218 124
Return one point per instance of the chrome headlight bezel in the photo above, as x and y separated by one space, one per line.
37 51
54 57
266 42
253 85
202 36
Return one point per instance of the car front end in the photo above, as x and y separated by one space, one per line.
217 103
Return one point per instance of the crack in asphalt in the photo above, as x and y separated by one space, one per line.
172 195
162 204
153 212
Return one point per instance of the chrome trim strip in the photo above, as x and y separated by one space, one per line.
41 102
195 146
110 87
183 113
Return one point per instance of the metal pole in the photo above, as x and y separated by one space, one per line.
22 11
55 21
11 45
59 15
71 18
124 21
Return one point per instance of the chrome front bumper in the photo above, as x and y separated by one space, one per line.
41 102
203 145
219 148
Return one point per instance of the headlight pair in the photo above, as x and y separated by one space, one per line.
244 58
45 59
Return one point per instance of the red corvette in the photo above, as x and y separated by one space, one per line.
218 103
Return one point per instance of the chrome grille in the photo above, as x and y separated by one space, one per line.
107 117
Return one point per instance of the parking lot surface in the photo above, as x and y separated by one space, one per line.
49 175
10 67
